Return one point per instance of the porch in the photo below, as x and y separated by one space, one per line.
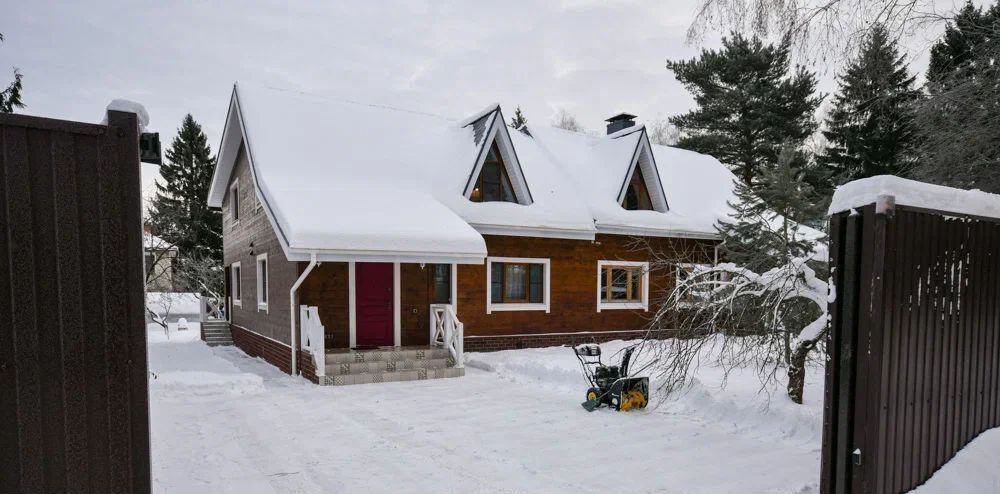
362 322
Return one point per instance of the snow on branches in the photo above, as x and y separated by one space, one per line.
736 318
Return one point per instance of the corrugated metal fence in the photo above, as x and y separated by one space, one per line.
914 347
74 413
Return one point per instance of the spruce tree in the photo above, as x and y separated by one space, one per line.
10 98
958 123
963 36
871 129
179 212
518 120
764 233
751 104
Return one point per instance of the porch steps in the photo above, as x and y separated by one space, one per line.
389 365
216 333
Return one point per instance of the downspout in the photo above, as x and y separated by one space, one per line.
292 313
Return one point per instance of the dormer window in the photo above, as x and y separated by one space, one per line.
493 184
637 195
641 188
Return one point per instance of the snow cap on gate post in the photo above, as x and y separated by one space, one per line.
885 204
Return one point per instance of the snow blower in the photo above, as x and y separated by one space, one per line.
610 385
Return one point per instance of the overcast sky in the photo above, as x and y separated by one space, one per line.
594 58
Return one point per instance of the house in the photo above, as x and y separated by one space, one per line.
351 227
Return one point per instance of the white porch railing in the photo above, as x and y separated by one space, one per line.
447 331
313 336
212 308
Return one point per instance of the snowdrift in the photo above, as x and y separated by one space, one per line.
740 404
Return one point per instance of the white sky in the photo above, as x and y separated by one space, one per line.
594 58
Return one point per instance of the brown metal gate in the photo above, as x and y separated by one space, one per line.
914 347
74 413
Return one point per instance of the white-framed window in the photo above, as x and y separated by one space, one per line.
236 287
702 291
262 282
622 285
234 202
517 283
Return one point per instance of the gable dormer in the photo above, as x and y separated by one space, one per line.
642 189
496 175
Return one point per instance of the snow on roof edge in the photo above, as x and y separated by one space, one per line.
916 194
480 114
626 131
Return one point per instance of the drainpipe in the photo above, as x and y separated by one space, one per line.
293 313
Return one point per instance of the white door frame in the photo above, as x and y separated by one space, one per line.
352 305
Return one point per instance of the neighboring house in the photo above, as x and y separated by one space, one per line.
387 222
158 260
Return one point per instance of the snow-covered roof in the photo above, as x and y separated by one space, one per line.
915 194
153 242
348 180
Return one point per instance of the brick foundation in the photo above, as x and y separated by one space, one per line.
513 342
275 353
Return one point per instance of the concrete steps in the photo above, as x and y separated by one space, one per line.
389 365
216 333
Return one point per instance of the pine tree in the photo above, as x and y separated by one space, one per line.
871 129
10 98
765 232
518 120
179 213
750 104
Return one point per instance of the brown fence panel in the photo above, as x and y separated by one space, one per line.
74 408
914 347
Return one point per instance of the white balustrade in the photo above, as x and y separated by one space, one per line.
313 336
447 331
212 308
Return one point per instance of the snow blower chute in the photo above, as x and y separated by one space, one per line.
611 385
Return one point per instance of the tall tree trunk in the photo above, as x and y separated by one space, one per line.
797 368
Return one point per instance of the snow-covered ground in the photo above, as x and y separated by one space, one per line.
973 469
225 422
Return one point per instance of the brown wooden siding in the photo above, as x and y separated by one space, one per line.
573 306
512 342
326 288
243 241
914 345
414 303
74 405
573 291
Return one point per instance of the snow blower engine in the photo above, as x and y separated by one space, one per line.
611 385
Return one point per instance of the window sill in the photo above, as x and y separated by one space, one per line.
517 307
622 306
238 303
262 307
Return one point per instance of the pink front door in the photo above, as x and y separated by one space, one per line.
374 303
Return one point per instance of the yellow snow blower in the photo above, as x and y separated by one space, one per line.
610 385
